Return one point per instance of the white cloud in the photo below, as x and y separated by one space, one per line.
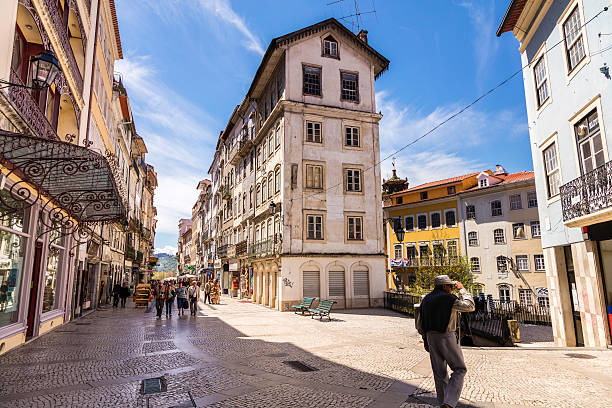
450 150
178 137
168 249
482 16
223 10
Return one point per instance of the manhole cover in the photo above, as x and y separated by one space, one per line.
578 355
153 385
277 355
299 366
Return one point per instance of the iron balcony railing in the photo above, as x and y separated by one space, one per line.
225 192
265 248
130 253
222 251
424 261
231 251
241 248
589 193
139 256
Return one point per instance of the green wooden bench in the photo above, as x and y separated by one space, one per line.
305 305
323 309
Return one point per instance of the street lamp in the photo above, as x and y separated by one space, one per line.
399 231
44 67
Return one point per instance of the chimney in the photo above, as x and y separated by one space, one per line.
499 170
363 35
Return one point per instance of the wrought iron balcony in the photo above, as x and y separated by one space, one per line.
130 253
265 248
29 109
225 192
61 29
231 251
139 256
222 251
241 248
588 199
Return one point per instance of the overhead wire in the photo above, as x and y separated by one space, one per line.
454 115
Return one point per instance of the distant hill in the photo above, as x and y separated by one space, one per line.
165 263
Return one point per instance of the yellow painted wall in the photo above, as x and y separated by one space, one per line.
50 324
9 343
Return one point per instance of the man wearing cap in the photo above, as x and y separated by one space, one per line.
437 323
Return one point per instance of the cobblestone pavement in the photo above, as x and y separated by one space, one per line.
239 354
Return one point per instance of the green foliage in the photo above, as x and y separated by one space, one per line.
458 269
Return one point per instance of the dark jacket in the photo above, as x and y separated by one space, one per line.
436 309
116 289
124 292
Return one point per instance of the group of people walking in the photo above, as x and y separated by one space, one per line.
187 296
121 292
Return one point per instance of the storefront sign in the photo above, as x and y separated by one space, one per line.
217 263
233 266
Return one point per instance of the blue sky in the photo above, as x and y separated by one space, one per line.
187 63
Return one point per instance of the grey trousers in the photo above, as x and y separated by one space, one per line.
443 351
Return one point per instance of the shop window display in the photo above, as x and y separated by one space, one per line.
53 270
13 223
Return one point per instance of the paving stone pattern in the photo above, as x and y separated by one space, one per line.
235 354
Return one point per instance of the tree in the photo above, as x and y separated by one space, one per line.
457 268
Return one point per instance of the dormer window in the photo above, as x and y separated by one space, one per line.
330 46
484 182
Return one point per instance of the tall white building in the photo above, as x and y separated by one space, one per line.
296 175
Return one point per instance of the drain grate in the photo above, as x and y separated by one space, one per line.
277 355
578 355
153 385
299 366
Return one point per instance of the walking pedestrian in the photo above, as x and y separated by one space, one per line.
207 289
437 323
194 297
124 293
116 291
158 293
181 299
169 298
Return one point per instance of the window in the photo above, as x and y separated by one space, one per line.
276 180
424 195
397 251
515 202
574 43
470 212
311 80
589 140
496 208
424 253
541 81
409 223
314 176
264 191
483 182
475 264
522 262
422 222
504 293
438 253
543 301
353 180
349 86
351 136
354 228
251 197
270 185
532 199
436 221
451 249
472 238
518 230
525 297
314 227
313 132
277 136
502 265
538 261
450 218
535 229
498 236
411 252
450 190
399 200
271 144
551 167
330 46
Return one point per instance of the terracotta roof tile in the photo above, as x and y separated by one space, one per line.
507 179
436 183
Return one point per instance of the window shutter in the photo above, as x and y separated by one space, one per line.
336 283
311 284
361 283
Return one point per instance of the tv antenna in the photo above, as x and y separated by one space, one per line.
355 18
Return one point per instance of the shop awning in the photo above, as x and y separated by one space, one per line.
74 178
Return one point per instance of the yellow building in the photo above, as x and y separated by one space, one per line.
427 215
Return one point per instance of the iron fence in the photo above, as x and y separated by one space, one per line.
401 302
